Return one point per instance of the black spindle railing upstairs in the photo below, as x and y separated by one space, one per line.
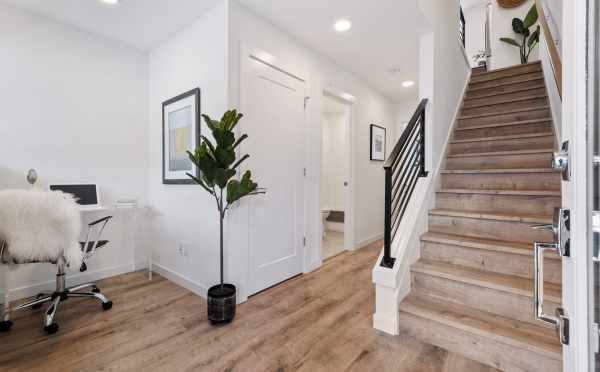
403 168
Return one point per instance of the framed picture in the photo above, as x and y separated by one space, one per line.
181 133
377 143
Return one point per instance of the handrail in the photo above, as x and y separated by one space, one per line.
405 165
552 49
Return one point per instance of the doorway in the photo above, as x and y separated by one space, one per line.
335 191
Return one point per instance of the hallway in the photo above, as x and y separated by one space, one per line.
316 322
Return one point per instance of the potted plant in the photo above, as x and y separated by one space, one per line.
529 39
218 166
481 58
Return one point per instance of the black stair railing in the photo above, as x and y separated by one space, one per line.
405 165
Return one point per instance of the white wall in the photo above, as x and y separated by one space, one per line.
195 57
443 74
74 108
475 30
333 162
404 112
370 107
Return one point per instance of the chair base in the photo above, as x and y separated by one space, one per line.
54 299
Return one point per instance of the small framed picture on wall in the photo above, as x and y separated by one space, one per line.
181 133
378 143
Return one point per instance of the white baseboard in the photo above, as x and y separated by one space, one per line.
72 279
386 324
181 280
367 241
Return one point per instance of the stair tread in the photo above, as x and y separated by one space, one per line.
521 334
512 123
499 171
487 279
502 192
507 137
493 75
500 153
502 113
496 94
506 101
484 215
477 89
508 68
483 243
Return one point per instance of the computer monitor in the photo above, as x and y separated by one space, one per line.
86 195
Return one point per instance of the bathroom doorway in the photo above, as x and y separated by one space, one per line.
335 187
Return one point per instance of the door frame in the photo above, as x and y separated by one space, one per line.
574 192
348 101
237 236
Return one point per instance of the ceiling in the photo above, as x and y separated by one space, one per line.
384 37
138 23
381 47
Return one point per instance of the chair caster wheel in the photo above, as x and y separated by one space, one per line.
96 290
5 325
51 329
107 305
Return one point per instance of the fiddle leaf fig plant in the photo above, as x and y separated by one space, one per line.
218 165
529 39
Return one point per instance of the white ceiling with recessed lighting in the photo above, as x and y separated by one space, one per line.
142 24
384 36
381 47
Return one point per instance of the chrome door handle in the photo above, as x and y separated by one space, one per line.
538 285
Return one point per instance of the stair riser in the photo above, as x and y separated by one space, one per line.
505 80
478 70
489 260
531 128
476 347
509 181
502 303
470 102
539 205
505 118
505 107
490 229
516 71
474 93
534 143
540 160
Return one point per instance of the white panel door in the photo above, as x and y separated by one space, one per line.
273 105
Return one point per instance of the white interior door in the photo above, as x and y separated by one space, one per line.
273 105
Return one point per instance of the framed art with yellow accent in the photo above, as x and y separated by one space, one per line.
181 133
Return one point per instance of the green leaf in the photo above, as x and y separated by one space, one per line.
535 37
240 161
240 140
225 156
518 26
510 41
238 189
222 176
531 18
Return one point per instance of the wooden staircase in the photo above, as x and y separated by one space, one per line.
472 287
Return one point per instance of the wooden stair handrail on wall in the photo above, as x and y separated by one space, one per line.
554 55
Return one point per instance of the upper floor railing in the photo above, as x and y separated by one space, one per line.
403 168
552 47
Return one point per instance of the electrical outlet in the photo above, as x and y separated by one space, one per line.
182 249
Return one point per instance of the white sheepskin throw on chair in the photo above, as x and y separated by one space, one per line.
40 226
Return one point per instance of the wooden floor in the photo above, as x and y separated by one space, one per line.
316 322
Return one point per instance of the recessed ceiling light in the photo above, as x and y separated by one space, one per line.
342 25
110 2
407 84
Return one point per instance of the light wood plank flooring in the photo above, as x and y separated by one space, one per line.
317 322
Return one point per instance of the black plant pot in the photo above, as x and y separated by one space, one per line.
221 304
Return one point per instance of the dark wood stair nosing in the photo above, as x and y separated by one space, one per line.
507 124
507 101
503 113
503 138
501 153
518 90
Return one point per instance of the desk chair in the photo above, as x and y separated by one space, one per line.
89 247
